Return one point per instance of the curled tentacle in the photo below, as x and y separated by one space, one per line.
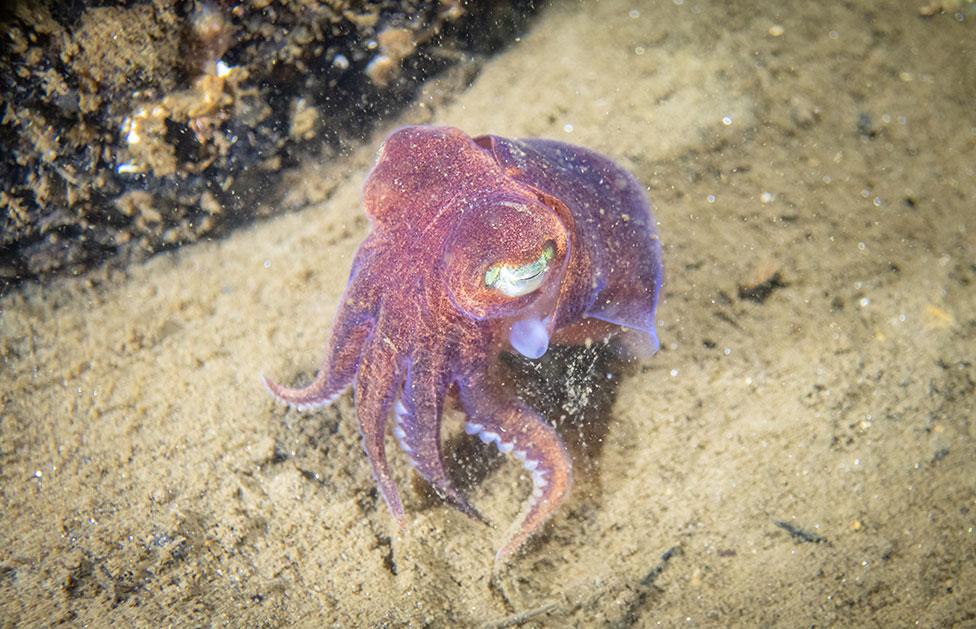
418 429
354 323
520 431
336 374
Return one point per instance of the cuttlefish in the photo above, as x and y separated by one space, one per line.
481 246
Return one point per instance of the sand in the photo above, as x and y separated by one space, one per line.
801 452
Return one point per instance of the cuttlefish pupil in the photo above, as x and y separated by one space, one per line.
515 281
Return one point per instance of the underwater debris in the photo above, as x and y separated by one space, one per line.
762 285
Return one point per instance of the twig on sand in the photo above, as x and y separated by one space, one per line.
800 534
569 603
524 616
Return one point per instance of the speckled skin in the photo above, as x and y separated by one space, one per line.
418 321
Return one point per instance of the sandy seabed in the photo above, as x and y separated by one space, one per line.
808 458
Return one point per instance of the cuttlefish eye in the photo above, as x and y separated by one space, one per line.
517 280
503 255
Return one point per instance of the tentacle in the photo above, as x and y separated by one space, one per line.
377 383
336 373
418 429
520 431
355 320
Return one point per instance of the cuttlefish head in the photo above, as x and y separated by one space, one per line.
505 260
